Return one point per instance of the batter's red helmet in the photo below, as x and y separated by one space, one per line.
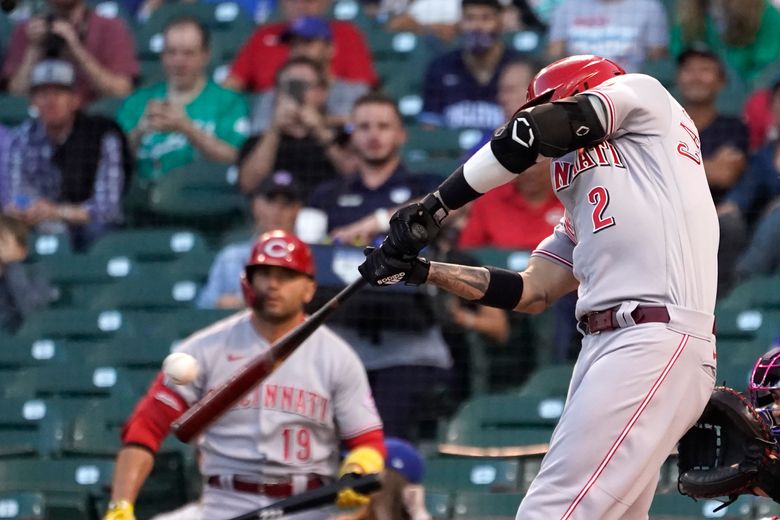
281 249
570 76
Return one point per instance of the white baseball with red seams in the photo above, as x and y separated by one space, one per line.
180 368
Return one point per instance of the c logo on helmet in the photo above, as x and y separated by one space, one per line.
276 248
530 140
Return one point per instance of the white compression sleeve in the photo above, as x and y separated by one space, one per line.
483 172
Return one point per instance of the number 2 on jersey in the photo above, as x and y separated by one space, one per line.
297 444
599 197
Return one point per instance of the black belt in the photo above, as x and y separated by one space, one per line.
600 321
271 489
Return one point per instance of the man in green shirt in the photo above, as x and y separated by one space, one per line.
187 117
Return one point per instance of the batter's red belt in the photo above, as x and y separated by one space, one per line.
600 321
270 489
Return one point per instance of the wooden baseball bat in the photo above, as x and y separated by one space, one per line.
315 498
219 400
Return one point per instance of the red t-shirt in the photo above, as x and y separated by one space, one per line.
263 54
503 218
107 39
758 117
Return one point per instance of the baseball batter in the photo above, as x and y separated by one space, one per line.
638 241
283 437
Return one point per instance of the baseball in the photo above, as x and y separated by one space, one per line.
181 368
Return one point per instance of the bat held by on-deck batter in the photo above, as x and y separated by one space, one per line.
219 400
315 498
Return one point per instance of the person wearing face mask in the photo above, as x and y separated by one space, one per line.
461 85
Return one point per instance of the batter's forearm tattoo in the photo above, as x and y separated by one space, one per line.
462 280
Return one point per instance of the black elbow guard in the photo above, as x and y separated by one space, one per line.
551 129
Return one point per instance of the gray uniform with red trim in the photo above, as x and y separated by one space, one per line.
290 425
640 229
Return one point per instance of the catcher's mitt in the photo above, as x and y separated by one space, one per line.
730 451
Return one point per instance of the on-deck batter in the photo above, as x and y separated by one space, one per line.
639 241
283 437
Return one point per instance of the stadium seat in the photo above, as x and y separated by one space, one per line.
106 107
70 486
199 191
735 373
486 505
44 245
30 427
438 503
471 473
13 109
549 381
71 379
86 269
184 322
73 323
494 424
516 260
147 293
745 323
437 143
130 352
150 244
23 506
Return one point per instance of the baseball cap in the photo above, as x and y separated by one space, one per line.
405 459
53 72
280 182
308 28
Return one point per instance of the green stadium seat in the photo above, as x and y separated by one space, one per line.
74 324
548 381
735 373
70 486
472 474
200 190
486 505
30 427
494 424
439 142
184 322
152 292
130 352
516 260
745 323
72 379
664 70
13 109
86 269
23 506
150 244
674 506
44 245
438 503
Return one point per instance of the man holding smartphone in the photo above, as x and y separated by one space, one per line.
299 138
187 117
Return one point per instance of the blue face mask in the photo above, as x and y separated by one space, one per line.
479 42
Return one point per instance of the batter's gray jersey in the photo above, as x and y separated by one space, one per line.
640 224
291 423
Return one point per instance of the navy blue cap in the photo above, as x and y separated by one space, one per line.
308 28
280 182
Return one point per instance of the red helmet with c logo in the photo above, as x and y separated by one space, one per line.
569 76
281 249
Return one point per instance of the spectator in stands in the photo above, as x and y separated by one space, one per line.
187 117
311 37
762 256
257 63
760 183
626 31
64 167
724 139
724 146
460 85
102 50
22 290
299 139
404 355
743 32
435 17
758 116
274 205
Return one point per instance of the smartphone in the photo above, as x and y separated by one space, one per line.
296 89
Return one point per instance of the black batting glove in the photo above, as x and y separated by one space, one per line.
413 227
380 268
